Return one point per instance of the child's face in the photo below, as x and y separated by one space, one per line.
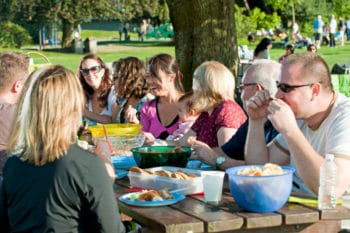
183 112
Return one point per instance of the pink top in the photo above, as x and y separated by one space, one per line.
227 114
150 121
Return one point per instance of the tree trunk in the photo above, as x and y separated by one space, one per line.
67 30
204 30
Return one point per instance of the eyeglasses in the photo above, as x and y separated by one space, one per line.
288 88
93 69
243 85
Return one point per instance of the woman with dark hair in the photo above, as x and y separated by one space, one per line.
262 49
159 117
98 88
132 89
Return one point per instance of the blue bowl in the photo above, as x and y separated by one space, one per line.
260 193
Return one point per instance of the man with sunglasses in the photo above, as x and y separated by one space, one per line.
312 120
261 75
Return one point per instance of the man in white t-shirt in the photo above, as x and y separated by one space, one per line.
305 93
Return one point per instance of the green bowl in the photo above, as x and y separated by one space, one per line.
157 156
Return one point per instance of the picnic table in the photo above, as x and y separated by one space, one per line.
194 215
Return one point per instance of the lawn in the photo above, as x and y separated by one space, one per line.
112 49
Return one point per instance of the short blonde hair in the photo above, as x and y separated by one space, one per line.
48 116
214 83
313 68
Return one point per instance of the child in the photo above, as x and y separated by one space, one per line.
186 114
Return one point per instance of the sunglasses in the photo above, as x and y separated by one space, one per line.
286 88
93 69
243 85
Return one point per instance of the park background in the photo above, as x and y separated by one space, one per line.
30 26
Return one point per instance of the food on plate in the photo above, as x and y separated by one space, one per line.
267 170
177 174
152 195
191 140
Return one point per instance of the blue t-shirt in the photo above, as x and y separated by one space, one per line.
234 148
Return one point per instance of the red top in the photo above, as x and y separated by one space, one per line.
227 114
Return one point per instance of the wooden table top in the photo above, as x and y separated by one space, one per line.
194 215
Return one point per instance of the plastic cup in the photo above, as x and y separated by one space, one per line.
212 186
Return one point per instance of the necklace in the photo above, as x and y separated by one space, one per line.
329 109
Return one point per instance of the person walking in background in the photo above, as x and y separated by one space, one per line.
318 30
143 30
261 75
347 28
131 88
14 70
332 30
98 88
341 29
262 50
50 183
325 35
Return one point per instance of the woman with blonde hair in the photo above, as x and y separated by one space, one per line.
213 95
50 183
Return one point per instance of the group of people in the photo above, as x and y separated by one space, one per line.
290 116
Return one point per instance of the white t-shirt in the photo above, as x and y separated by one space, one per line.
110 101
332 137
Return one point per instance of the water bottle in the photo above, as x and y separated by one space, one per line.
327 197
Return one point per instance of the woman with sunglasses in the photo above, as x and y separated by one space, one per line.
132 89
98 88
159 117
50 183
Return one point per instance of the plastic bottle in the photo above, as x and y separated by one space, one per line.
327 197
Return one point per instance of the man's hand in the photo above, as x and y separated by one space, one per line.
281 116
257 105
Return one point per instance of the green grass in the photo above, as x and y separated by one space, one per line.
114 49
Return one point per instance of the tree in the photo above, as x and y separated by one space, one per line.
204 30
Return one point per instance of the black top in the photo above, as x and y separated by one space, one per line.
234 148
71 194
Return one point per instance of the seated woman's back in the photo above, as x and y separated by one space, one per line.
51 184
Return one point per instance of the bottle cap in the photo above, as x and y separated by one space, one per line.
329 156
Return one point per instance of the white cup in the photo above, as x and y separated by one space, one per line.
212 186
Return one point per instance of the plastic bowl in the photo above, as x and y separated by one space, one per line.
115 129
260 193
122 144
156 156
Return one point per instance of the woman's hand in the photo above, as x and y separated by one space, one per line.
131 115
149 138
203 152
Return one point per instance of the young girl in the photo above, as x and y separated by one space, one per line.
187 116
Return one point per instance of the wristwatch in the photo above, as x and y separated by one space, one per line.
219 160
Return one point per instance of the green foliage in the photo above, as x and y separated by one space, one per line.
255 21
13 35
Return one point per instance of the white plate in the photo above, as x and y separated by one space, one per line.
125 198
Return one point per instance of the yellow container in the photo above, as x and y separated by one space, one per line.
115 129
